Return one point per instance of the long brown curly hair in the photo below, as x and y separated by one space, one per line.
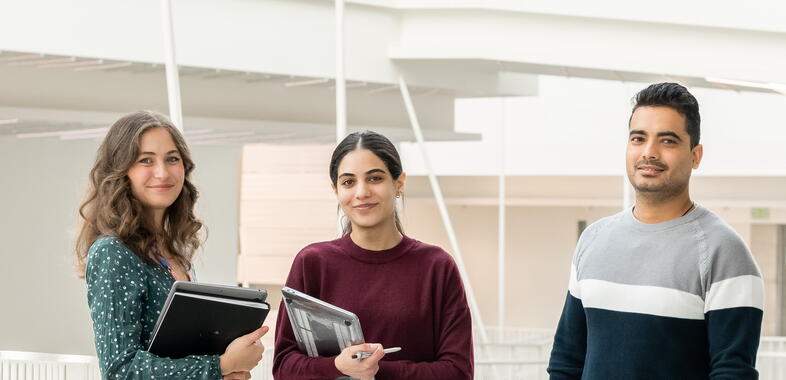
110 209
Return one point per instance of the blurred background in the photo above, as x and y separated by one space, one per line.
523 108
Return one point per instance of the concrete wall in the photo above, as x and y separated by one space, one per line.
44 304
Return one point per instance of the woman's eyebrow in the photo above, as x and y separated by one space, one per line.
154 153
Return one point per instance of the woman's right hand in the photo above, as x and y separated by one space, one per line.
243 353
363 369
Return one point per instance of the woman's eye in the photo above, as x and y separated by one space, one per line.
146 160
173 159
347 182
375 179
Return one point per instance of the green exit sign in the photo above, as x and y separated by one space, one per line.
760 213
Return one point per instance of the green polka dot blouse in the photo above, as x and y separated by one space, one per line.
125 296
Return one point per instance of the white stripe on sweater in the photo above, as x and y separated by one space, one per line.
741 291
652 300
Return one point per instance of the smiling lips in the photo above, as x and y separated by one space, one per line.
161 188
364 206
649 170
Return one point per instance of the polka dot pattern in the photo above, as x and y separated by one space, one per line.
126 296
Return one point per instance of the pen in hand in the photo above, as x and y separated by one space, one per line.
362 354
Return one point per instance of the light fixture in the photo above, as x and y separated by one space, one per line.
104 67
220 136
83 136
9 121
352 85
306 82
72 64
219 74
23 57
383 89
777 87
65 135
42 61
194 132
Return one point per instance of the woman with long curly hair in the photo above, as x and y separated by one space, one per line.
139 235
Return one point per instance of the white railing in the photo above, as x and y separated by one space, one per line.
513 353
521 353
15 365
771 359
510 354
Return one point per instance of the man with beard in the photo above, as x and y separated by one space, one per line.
665 289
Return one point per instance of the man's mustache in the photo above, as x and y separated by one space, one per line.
655 163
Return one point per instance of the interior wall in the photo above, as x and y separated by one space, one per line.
763 245
44 303
539 246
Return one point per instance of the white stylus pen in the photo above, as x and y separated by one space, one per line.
363 354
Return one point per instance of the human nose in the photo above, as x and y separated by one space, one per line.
361 190
160 170
650 151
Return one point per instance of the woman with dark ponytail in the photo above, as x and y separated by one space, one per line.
406 293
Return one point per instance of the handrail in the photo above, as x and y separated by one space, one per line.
510 362
46 357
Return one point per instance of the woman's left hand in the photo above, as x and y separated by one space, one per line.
240 375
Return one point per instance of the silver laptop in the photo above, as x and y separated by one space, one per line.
321 329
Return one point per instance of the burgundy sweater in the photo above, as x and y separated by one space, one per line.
409 296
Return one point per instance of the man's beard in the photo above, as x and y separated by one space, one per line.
659 191
666 188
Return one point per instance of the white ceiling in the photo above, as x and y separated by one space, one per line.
50 93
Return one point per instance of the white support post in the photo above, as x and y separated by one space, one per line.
172 79
341 89
501 224
627 194
443 211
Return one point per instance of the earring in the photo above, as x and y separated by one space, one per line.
398 195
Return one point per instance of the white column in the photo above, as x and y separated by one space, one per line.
341 89
501 222
627 193
172 79
443 211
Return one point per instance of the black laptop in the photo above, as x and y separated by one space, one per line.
202 319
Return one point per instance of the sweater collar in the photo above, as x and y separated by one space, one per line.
692 215
375 257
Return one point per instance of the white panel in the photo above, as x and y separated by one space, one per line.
282 241
286 204
264 269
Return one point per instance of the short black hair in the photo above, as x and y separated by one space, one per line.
676 97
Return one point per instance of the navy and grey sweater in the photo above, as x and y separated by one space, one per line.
682 299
